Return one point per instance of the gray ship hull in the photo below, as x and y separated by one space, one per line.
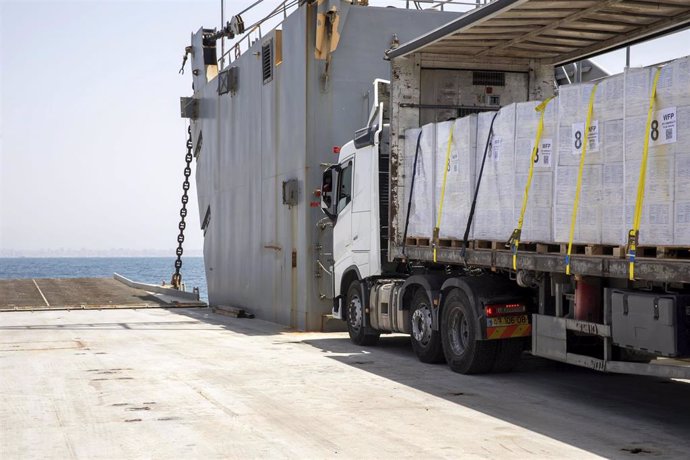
277 126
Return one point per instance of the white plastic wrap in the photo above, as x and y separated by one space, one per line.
610 176
538 221
421 205
494 216
603 174
668 140
461 174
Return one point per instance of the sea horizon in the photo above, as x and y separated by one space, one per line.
145 269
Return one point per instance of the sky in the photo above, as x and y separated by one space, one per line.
91 142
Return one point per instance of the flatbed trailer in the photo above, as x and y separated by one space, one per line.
465 302
604 266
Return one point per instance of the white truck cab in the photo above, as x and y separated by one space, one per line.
353 206
350 197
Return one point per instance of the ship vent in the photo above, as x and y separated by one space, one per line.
224 82
489 78
267 61
228 80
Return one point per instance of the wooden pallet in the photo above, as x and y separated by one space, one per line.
662 252
538 248
415 241
617 251
488 244
594 250
449 243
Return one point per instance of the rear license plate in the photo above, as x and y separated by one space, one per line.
507 320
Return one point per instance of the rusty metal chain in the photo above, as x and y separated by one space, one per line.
176 280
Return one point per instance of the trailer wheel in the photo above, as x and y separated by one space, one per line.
465 353
426 342
354 305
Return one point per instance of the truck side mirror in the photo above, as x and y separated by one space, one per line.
329 201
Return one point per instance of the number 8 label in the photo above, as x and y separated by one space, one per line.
578 140
655 130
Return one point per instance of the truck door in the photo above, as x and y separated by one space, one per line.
342 231
362 198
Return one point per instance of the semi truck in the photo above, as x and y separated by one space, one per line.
479 306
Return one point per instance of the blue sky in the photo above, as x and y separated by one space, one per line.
91 142
92 139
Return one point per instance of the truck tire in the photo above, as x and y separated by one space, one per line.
508 354
354 316
465 353
426 342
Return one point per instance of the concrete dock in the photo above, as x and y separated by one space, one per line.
185 383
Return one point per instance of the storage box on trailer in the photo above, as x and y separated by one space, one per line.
601 204
494 219
538 220
421 204
460 178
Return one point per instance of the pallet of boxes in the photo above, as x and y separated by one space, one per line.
562 175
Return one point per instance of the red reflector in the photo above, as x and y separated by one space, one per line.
317 192
336 149
504 309
314 204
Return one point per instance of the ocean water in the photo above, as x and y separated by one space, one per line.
152 270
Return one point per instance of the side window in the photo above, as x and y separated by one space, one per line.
345 190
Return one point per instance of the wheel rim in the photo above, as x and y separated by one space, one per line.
354 312
459 332
421 324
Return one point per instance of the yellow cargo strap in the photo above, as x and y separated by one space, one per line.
443 190
578 189
515 237
634 233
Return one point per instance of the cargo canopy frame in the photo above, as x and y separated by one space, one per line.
531 37
555 32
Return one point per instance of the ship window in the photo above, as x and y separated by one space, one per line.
267 61
345 189
488 78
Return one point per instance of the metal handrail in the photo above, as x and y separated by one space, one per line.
236 48
234 51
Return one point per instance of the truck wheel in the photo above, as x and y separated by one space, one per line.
426 342
354 305
508 354
464 352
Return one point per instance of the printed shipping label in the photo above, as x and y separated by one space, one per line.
663 129
579 137
544 154
495 152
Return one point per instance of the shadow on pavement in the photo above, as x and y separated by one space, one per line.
244 326
606 414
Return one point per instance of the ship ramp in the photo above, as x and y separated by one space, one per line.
34 294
